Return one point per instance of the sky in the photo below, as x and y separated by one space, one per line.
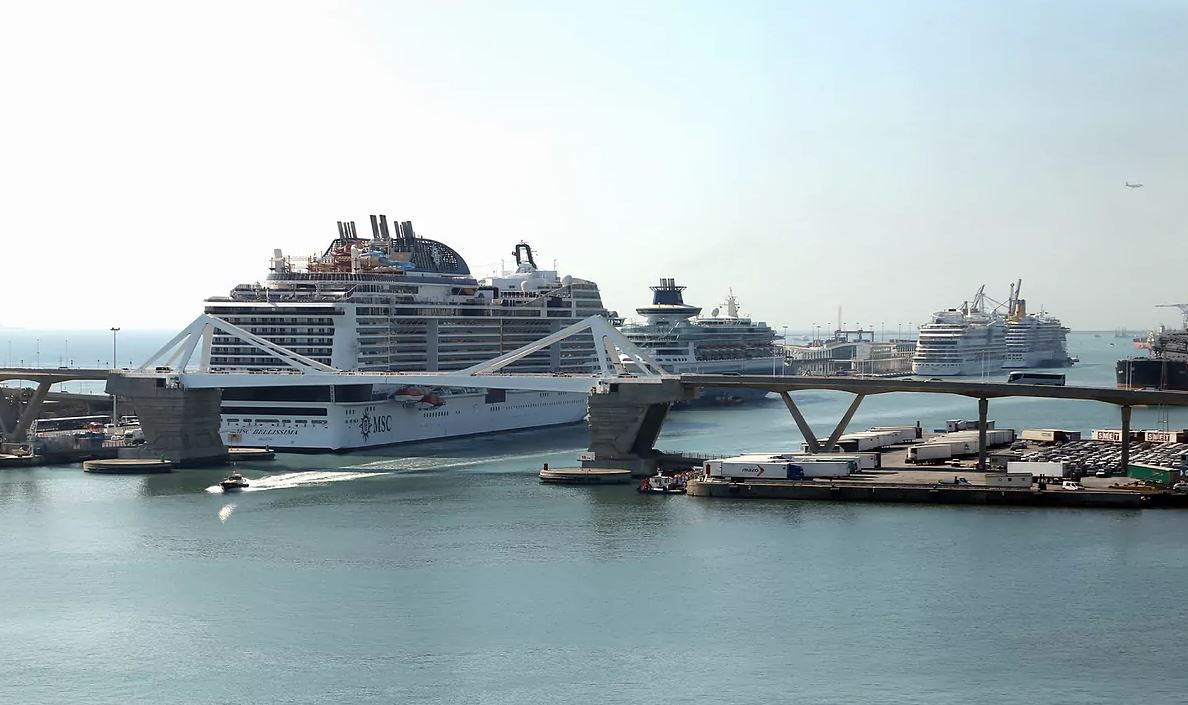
882 157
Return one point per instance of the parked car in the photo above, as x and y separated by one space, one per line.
1071 485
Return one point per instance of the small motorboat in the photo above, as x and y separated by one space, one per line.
663 484
234 482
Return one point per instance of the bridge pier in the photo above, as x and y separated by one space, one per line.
179 424
983 411
1125 439
625 420
810 438
32 409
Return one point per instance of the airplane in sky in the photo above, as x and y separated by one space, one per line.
1130 185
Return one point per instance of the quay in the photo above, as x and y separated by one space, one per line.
854 490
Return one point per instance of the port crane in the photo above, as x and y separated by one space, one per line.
1183 309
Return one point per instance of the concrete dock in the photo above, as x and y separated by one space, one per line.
882 490
128 466
585 476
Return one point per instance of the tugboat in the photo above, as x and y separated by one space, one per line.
663 484
234 483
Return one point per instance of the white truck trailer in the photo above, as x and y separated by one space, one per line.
929 453
1037 469
778 467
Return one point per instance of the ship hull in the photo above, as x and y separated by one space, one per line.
346 426
1146 373
976 367
1035 361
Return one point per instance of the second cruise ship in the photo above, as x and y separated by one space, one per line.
678 337
961 341
397 302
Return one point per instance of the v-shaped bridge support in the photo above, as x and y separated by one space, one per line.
610 346
178 352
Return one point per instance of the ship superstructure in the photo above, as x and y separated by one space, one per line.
1166 366
678 337
969 340
398 302
1033 339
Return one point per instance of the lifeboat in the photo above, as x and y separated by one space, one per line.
408 394
430 401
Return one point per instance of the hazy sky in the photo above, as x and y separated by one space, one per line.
886 157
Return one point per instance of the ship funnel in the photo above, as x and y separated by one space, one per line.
383 227
374 228
341 230
407 227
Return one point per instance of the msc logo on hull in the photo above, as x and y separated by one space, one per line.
369 424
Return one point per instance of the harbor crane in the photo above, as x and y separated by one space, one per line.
1183 309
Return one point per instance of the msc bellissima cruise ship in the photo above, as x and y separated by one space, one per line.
398 302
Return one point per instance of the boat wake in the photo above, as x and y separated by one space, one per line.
432 463
297 479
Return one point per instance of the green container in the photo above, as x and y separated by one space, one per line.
1153 473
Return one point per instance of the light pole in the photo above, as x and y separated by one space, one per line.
784 353
115 329
37 353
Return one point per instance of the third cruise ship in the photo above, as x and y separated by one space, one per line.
1033 339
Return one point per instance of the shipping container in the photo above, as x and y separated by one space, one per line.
865 461
779 467
1038 469
1153 473
1115 435
929 453
965 425
1050 435
901 434
1165 436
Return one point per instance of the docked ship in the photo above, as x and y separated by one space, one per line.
681 340
961 341
397 302
1033 339
1165 367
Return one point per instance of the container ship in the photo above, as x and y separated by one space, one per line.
397 302
678 337
1166 365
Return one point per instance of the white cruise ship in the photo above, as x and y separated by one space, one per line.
1033 339
962 341
398 302
678 337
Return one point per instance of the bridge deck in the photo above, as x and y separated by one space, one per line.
973 389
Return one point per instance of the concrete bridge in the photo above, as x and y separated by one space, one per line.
15 421
178 398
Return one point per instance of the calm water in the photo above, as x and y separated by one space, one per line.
446 573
